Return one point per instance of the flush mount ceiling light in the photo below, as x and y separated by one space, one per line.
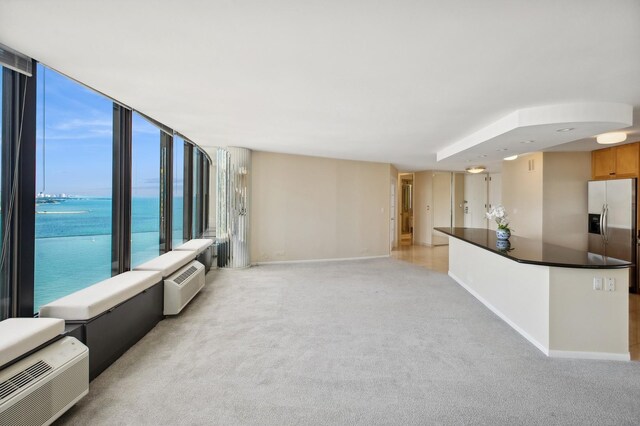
502 149
614 137
566 129
511 158
528 141
476 169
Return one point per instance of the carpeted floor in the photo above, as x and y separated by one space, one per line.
362 342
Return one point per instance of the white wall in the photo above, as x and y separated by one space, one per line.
306 208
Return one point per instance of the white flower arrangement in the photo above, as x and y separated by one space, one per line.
499 214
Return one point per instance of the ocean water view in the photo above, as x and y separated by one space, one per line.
73 241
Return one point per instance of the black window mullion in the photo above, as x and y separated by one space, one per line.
207 179
166 192
201 196
121 201
187 207
19 189
197 193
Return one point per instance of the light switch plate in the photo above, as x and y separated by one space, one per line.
597 283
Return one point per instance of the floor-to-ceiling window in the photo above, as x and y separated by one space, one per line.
72 153
145 191
178 191
73 184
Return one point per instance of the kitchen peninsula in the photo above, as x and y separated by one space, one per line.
546 292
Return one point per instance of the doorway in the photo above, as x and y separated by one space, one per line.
406 209
393 231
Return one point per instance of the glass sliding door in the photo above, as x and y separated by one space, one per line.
145 191
74 137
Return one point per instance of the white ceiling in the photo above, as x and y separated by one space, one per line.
388 80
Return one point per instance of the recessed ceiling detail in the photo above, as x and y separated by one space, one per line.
548 126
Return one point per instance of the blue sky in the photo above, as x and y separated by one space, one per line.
75 124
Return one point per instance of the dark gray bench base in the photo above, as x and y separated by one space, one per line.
111 333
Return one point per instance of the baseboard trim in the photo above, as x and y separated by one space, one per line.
493 309
337 259
422 244
590 355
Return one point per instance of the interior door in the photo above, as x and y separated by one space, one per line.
475 200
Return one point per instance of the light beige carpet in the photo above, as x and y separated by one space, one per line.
363 342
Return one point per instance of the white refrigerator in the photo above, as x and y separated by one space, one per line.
612 222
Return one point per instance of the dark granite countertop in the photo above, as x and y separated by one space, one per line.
534 252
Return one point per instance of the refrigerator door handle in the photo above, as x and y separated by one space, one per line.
605 222
602 223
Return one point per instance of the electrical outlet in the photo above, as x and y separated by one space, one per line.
597 283
611 284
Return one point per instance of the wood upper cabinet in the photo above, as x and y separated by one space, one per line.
616 162
603 164
627 160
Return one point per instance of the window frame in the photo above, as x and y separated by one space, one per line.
19 175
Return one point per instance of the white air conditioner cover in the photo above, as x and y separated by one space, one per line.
182 286
41 387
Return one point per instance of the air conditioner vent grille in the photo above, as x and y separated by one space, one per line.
185 275
38 369
15 61
6 389
23 378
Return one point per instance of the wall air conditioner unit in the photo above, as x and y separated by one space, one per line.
41 387
182 286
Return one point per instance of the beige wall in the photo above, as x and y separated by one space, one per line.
307 208
458 199
522 195
564 220
549 202
441 206
422 207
